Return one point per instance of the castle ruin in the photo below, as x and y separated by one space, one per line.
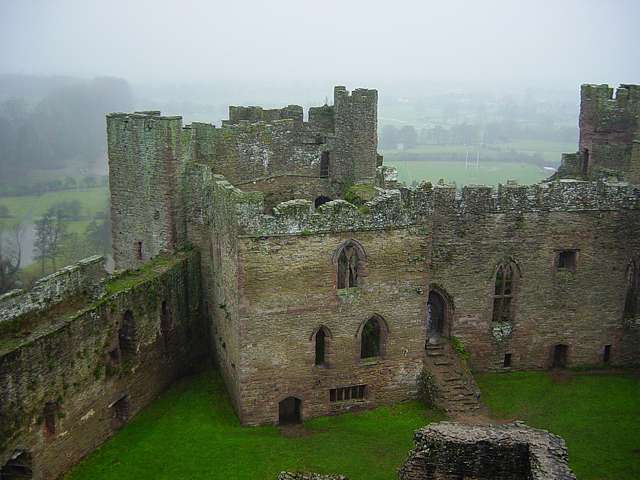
285 252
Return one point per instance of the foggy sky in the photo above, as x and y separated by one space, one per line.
551 42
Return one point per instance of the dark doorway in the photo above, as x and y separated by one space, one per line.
321 200
289 411
606 355
436 311
560 356
18 467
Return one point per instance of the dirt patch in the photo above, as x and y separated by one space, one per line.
561 376
294 431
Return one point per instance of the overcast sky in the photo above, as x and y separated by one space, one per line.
342 41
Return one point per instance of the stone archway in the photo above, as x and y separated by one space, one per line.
439 311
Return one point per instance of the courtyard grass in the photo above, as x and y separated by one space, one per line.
191 432
598 415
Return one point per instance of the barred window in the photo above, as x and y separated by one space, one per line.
342 394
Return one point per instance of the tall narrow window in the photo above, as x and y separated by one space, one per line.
503 293
348 267
324 165
370 338
320 347
139 249
50 414
631 299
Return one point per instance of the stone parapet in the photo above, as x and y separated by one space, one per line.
52 289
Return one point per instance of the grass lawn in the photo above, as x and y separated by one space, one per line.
489 173
190 432
598 415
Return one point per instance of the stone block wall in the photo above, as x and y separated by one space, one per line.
287 291
449 451
582 309
72 384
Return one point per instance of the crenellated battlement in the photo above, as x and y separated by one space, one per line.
398 208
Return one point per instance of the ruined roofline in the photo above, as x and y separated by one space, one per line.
610 95
398 208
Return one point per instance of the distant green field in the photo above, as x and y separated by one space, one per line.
93 200
489 173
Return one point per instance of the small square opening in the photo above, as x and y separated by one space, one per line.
567 260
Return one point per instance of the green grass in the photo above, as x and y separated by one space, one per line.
598 415
489 173
190 432
93 200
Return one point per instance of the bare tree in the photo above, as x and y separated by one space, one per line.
10 256
50 232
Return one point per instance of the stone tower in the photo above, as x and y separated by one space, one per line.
610 131
356 118
144 152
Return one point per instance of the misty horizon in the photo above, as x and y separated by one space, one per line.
282 44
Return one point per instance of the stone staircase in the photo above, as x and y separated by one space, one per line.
458 393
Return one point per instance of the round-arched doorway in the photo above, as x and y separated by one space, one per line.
438 316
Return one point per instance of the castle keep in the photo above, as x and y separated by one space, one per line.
284 251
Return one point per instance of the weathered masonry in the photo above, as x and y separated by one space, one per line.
285 251
83 352
323 278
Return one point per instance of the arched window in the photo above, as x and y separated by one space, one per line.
503 293
324 165
127 336
631 298
321 338
370 339
348 263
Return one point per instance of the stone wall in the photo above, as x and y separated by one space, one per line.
61 385
287 290
70 281
450 451
582 309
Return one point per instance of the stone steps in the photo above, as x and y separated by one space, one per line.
457 391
